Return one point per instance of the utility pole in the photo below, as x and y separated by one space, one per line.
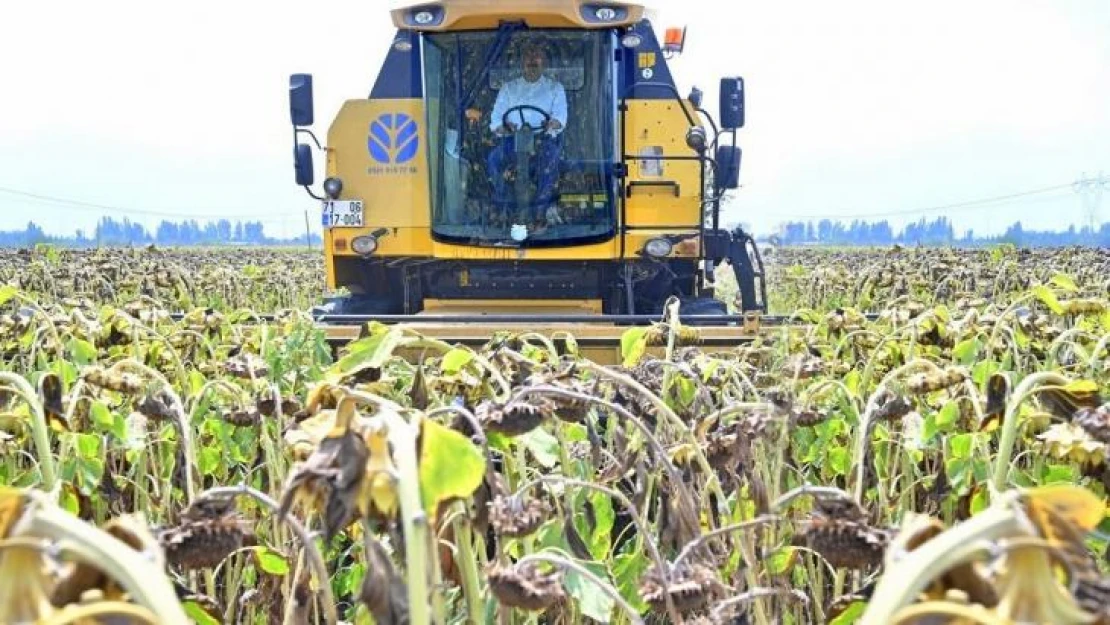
307 231
1090 192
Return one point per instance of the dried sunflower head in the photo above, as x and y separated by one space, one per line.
809 417
756 424
1095 421
157 406
246 366
516 517
525 586
691 586
512 419
126 383
242 418
333 474
892 407
202 543
267 407
1072 442
925 383
844 543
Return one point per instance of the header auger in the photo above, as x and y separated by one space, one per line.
530 165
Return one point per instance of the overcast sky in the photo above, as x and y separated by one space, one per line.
858 107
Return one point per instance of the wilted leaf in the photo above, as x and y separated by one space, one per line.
633 345
82 351
577 546
1064 282
208 460
1048 298
198 614
383 591
782 560
840 460
948 416
450 465
1065 401
6 293
588 596
998 393
1078 505
851 614
271 561
418 391
454 360
966 352
602 526
543 446
368 353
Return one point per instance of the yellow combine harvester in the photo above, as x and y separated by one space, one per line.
528 165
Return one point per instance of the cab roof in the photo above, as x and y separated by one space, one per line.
448 15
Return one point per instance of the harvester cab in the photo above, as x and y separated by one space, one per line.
529 159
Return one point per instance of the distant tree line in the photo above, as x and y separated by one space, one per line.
936 232
110 232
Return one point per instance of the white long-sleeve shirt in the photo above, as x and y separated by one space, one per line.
545 94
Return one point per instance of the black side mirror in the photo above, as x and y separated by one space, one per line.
302 163
728 167
300 99
732 103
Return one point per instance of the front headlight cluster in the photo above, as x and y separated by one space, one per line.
365 246
658 248
425 16
603 13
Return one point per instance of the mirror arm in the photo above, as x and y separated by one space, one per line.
309 191
712 124
308 132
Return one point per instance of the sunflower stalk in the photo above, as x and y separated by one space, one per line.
315 559
143 581
1010 428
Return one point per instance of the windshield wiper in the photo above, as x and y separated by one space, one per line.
504 34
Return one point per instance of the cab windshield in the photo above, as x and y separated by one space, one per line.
521 136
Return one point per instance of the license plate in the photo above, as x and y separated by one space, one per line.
342 214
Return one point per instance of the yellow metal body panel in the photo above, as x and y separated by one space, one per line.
407 242
417 242
658 127
395 195
480 14
515 306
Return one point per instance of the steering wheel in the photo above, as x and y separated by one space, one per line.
520 108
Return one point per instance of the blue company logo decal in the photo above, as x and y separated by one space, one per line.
393 139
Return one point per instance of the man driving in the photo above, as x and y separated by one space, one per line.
535 91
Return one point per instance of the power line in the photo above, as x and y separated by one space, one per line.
81 205
941 207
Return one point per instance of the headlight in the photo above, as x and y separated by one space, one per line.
606 14
631 40
333 187
696 139
424 17
657 248
364 246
